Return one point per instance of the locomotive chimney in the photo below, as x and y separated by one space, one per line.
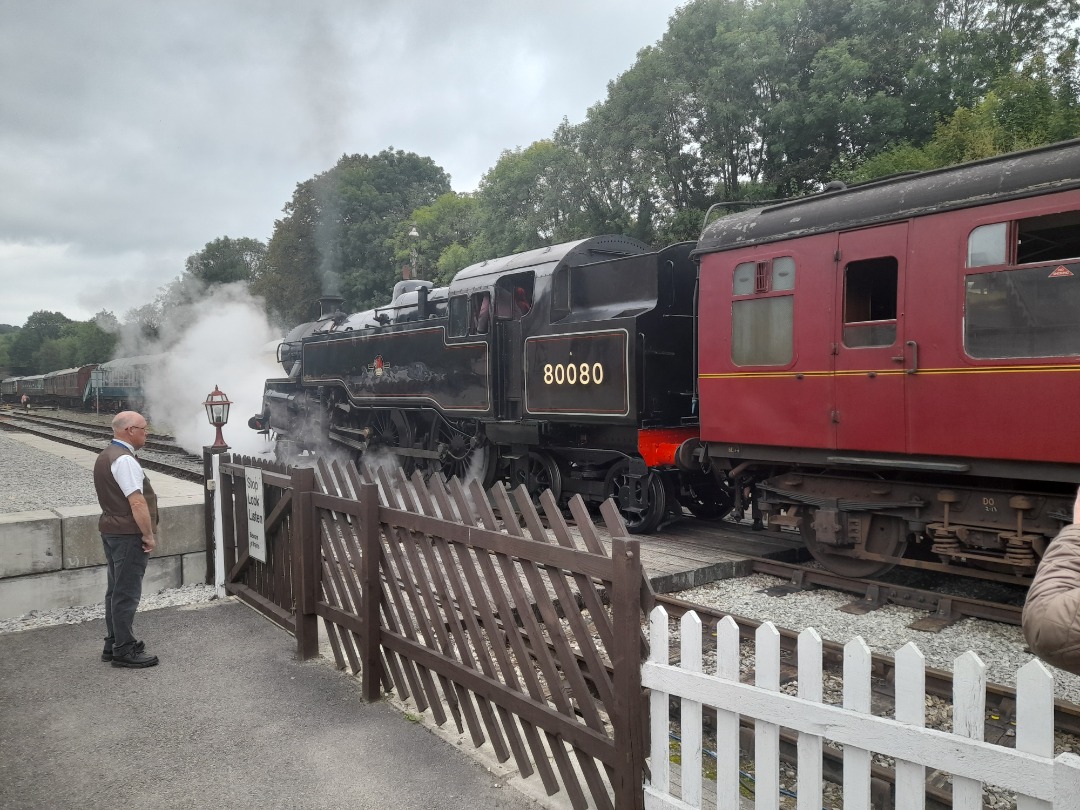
329 304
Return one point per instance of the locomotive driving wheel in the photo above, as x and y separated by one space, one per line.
389 429
460 456
652 493
886 536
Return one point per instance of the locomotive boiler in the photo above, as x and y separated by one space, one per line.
894 367
567 368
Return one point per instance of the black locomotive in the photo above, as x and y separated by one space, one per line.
563 368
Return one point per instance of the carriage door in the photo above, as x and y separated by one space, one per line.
871 357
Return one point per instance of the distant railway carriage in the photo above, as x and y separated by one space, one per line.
896 365
119 384
9 389
69 387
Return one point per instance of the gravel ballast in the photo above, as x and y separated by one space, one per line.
1001 647
32 479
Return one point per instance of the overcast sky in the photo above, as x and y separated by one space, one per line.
132 133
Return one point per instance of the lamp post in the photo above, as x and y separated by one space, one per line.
414 235
217 411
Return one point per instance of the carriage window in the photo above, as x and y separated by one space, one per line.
870 302
783 273
761 331
986 245
743 283
459 315
1049 238
1023 313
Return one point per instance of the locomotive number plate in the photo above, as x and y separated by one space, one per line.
581 373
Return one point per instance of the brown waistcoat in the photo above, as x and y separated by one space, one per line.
116 517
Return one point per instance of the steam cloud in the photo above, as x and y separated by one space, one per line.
225 340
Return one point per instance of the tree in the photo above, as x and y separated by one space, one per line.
445 231
225 260
39 327
337 236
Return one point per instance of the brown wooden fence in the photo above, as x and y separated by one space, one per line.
528 637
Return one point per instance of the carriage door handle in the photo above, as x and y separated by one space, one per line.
914 347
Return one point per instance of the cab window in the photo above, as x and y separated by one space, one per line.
459 316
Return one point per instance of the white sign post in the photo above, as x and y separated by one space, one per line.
255 514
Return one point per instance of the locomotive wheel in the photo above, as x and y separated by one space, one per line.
391 428
707 500
655 496
887 535
542 472
460 459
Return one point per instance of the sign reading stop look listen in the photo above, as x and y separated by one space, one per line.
256 515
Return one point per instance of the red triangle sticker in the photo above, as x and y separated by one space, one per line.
1061 271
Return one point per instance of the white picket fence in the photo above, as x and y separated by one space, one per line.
1039 780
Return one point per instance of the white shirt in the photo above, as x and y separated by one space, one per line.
127 472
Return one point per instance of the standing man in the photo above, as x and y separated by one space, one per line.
26 403
129 515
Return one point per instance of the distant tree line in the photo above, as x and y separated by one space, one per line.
49 341
740 100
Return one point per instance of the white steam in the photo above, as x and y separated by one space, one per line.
223 340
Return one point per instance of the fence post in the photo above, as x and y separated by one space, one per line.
629 709
228 519
208 511
371 591
306 557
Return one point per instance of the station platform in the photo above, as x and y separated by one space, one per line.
50 550
229 718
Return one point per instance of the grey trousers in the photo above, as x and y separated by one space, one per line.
126 563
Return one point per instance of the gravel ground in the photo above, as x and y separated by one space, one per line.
1001 647
169 597
33 480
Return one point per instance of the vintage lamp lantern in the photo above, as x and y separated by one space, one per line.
217 411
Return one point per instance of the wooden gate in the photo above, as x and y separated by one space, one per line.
529 638
268 587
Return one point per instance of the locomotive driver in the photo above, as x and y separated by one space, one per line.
129 515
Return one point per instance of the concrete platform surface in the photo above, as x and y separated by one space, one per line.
229 719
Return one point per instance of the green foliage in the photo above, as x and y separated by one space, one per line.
226 260
1026 108
50 341
443 230
338 233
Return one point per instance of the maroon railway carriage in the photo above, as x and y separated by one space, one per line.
68 387
894 367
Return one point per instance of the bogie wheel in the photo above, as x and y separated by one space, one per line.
887 536
459 457
540 472
707 499
651 487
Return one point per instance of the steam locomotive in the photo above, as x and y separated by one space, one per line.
888 368
565 368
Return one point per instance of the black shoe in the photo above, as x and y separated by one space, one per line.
106 654
136 660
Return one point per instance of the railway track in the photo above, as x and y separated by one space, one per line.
186 471
159 442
